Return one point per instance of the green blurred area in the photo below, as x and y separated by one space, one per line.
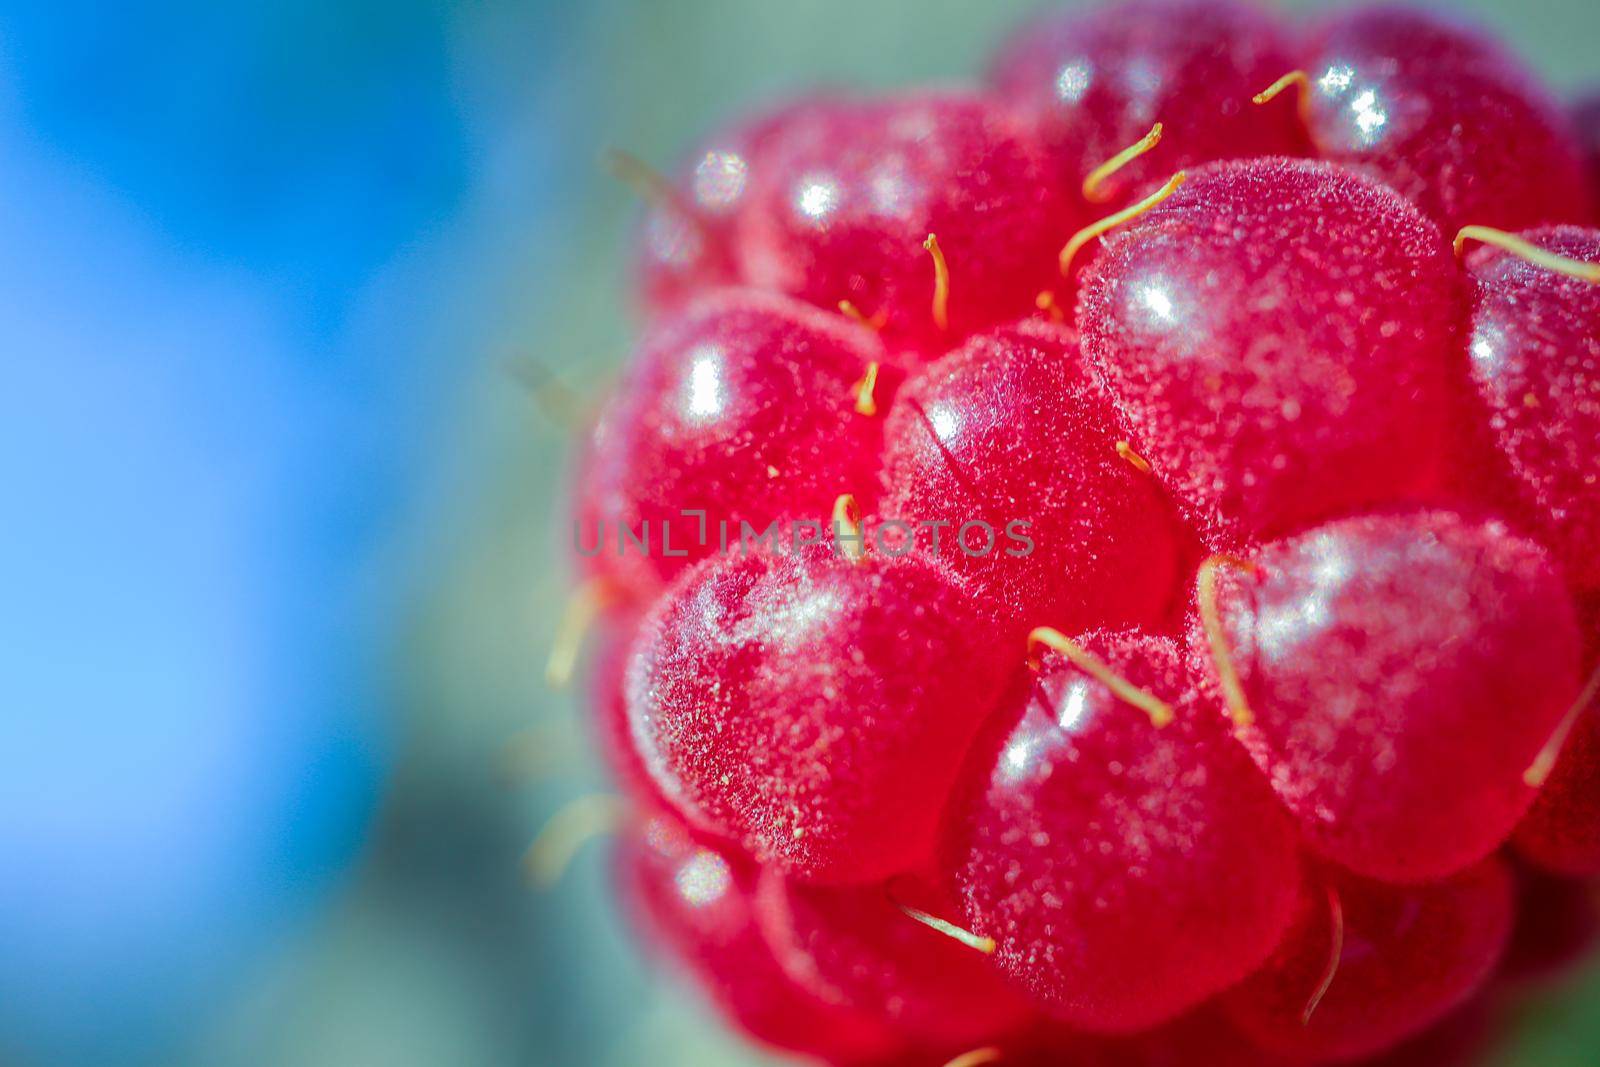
442 954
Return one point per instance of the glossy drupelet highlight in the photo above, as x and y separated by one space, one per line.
1446 116
1125 870
696 900
1535 350
738 409
1011 431
1279 337
1093 81
846 208
815 708
1400 675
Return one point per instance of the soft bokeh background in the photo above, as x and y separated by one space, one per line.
279 548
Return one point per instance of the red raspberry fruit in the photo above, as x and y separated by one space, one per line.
1371 663
845 210
815 708
1278 336
1013 428
1535 348
686 244
1126 870
1366 965
1092 82
741 409
697 902
1447 117
854 946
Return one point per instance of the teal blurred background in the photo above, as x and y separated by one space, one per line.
279 548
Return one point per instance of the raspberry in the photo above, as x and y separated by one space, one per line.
1371 663
1443 114
1366 965
813 707
1093 82
1277 335
738 410
1126 866
1012 428
1013 773
1535 348
844 213
697 901
686 243
853 946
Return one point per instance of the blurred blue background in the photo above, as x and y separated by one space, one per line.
277 561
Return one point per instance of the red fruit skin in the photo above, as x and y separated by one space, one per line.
737 387
844 209
685 244
854 947
608 706
1278 336
1403 671
1410 954
1442 113
1093 82
815 709
1125 872
696 901
1535 357
1012 427
1561 832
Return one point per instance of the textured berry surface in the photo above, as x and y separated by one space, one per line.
1443 114
1125 871
815 708
1312 800
845 209
1093 82
1278 337
1535 349
1406 957
741 408
686 244
854 946
1403 671
1013 428
697 902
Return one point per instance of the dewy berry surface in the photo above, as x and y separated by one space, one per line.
1279 337
696 901
1446 116
1094 81
1084 795
814 707
1535 353
740 408
1012 428
1366 965
1125 870
844 210
686 244
1402 673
